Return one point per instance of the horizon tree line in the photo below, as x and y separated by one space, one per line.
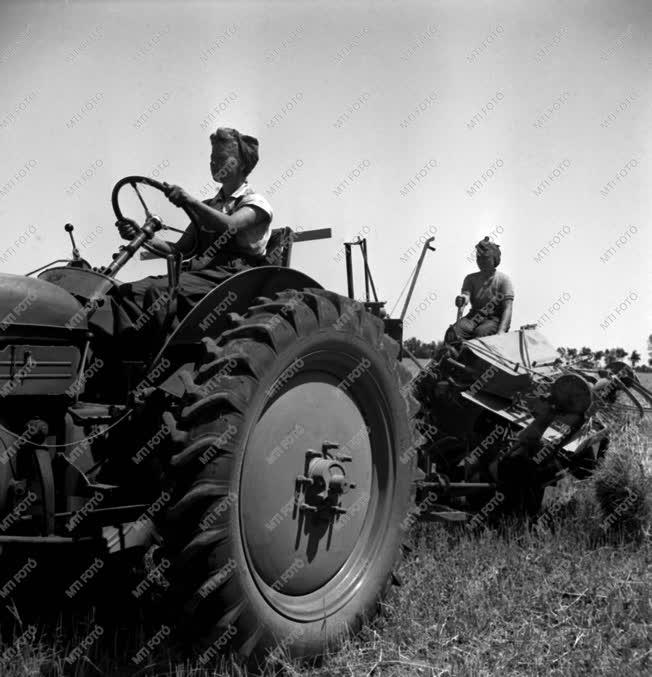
590 357
599 358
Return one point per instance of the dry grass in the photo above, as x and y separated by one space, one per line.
568 598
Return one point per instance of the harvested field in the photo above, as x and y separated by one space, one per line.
564 597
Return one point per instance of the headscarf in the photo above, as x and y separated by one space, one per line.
247 146
488 248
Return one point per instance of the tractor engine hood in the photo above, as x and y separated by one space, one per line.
34 303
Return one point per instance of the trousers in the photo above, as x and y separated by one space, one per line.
469 327
147 301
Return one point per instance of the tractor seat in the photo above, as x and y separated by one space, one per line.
279 247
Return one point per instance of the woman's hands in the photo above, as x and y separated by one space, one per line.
127 228
177 195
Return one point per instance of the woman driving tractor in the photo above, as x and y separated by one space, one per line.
229 232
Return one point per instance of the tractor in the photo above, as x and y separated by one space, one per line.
250 460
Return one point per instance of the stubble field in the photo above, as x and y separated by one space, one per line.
568 598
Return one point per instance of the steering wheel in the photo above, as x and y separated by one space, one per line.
133 181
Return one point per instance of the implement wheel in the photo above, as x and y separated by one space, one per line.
292 478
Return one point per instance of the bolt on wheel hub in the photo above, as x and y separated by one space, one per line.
319 490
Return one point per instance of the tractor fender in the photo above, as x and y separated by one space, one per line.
209 318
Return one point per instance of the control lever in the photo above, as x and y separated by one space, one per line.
75 252
174 274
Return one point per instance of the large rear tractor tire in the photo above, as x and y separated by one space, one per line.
292 478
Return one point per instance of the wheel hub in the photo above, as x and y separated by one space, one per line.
316 516
319 490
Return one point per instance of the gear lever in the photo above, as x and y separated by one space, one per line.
75 252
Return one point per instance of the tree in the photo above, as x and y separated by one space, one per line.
620 353
413 344
597 357
586 355
421 349
572 353
609 357
634 358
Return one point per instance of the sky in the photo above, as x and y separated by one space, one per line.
525 121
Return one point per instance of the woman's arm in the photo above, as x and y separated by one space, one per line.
213 219
506 317
163 246
185 245
507 290
218 222
464 297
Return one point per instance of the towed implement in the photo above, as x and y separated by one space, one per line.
503 416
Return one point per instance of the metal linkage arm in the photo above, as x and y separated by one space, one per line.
417 270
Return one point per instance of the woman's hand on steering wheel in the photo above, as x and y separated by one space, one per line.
177 195
127 228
